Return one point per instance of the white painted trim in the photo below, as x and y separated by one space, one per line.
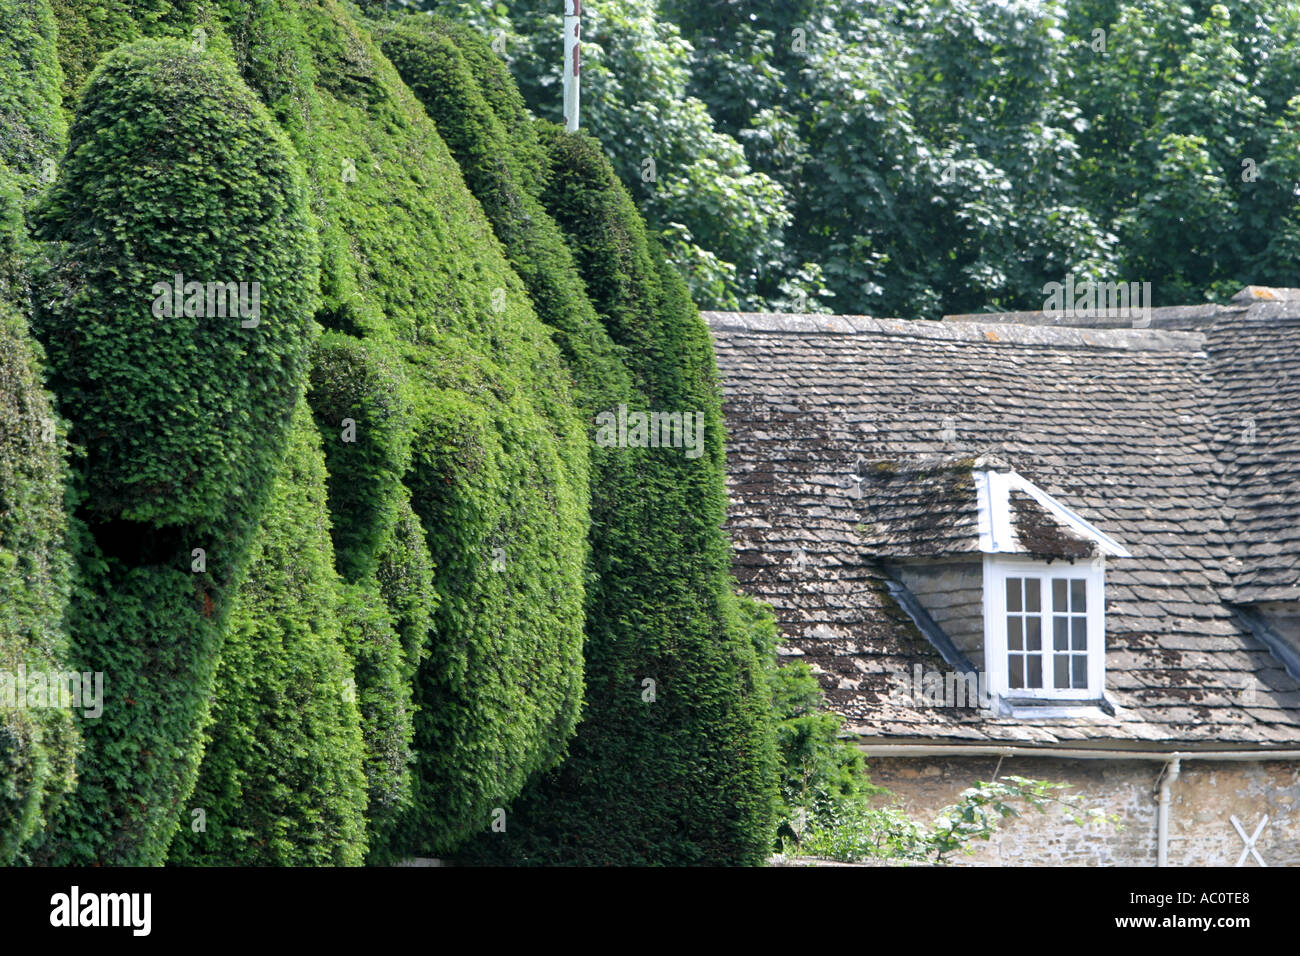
997 568
1064 753
1043 713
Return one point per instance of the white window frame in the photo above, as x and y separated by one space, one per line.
996 571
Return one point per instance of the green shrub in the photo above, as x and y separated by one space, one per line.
173 167
405 576
417 278
90 29
358 398
673 762
502 168
37 744
281 782
32 128
383 691
505 531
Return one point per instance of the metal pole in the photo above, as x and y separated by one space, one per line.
572 61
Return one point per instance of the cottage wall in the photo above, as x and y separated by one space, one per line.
1204 798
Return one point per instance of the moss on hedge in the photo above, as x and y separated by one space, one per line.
281 782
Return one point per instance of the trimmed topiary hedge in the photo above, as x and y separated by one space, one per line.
37 742
497 439
281 782
180 421
174 169
426 663
503 168
673 762
360 403
32 127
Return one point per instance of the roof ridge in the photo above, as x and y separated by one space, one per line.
1000 333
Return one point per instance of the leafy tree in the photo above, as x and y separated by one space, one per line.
720 220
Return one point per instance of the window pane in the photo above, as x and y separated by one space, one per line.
1062 668
1031 594
1014 633
1013 594
1060 633
1080 670
1058 595
1033 634
1017 670
1035 675
1079 625
1078 596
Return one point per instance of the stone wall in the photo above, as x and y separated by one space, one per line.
1201 833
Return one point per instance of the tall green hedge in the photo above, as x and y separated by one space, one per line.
362 406
281 782
449 66
32 127
652 575
175 169
673 762
484 303
498 459
37 742
180 422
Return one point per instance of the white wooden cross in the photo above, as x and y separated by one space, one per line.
1250 840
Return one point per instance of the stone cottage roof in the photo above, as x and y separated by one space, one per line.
851 442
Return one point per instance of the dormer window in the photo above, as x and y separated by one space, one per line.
1044 628
1044 593
1006 580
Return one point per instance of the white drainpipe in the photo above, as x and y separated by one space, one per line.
1162 812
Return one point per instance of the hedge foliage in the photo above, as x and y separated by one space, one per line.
427 309
32 127
173 166
682 770
449 66
37 745
700 787
281 782
361 404
408 534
